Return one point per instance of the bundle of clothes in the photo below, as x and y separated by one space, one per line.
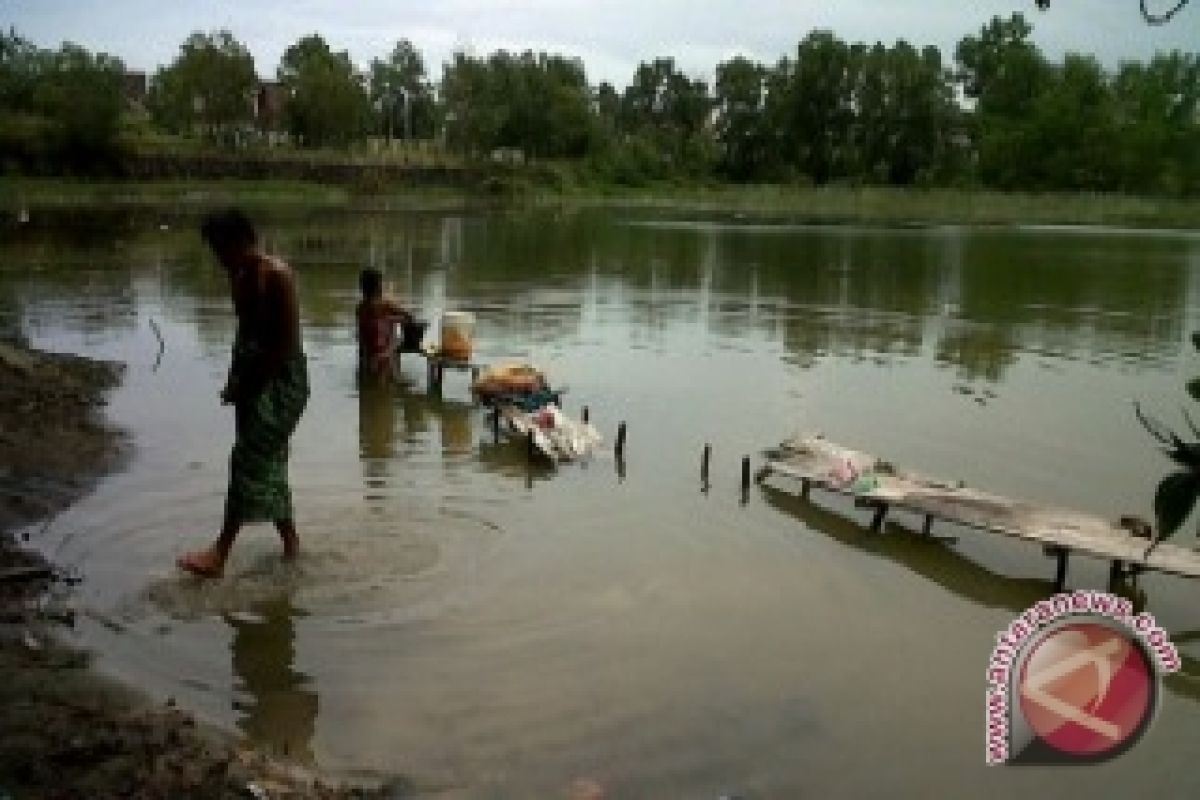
523 399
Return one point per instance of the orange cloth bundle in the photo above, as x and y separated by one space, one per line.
511 378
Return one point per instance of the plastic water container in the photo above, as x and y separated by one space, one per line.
458 328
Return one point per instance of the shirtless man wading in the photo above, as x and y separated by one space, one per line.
267 386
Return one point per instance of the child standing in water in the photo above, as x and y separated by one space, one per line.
377 318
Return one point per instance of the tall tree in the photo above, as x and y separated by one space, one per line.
1072 129
1001 69
208 87
21 65
401 92
1157 120
740 98
607 102
81 92
817 106
472 119
872 136
920 113
672 110
539 103
328 102
1004 73
59 109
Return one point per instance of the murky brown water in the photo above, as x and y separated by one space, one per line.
492 635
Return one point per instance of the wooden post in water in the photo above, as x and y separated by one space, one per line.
877 521
745 479
705 460
1116 571
587 415
1060 575
619 450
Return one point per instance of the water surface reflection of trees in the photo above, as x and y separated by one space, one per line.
935 559
971 299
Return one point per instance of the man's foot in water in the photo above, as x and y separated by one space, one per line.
202 563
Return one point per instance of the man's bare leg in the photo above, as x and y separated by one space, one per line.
210 563
291 542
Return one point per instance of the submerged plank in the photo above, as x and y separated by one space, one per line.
819 462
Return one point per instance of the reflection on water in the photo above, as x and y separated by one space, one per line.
376 420
932 557
276 703
977 298
512 630
935 559
456 420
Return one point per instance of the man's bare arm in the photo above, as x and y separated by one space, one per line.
397 311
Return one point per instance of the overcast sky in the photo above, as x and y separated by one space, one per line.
611 36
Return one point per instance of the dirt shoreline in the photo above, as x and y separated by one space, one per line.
66 732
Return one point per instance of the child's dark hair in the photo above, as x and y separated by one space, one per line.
228 230
370 281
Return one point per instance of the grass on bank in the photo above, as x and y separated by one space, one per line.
921 206
18 193
179 193
831 204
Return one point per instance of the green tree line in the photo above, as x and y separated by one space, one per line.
999 113
61 106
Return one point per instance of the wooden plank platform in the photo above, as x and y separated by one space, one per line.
437 363
817 462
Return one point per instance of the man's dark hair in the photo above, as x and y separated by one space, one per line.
370 281
228 230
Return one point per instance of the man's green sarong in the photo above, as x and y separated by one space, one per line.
258 481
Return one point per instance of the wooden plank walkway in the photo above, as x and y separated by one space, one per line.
817 462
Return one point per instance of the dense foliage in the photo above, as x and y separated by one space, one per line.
536 103
328 101
209 88
59 107
402 95
1000 114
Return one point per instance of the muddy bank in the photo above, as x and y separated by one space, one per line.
65 732
53 440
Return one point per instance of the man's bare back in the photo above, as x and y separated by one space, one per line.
268 311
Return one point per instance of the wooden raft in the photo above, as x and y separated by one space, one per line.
815 461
